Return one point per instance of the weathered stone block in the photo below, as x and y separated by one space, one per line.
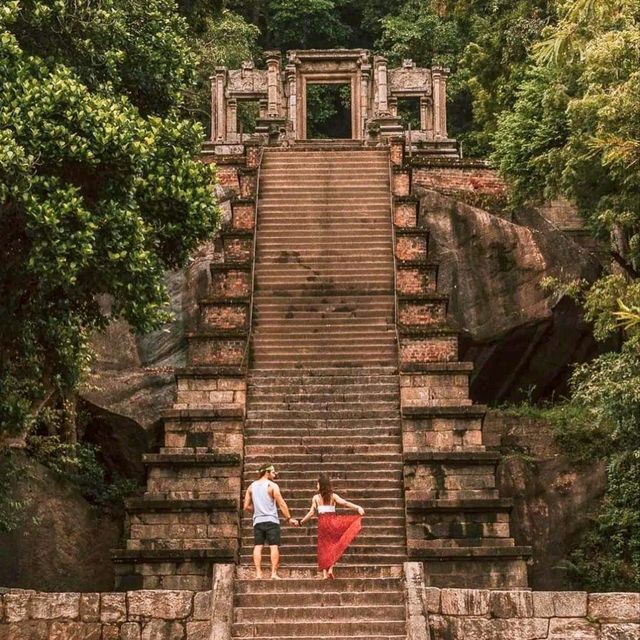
110 632
199 630
432 599
511 604
90 607
113 607
573 629
130 631
620 632
163 630
216 351
16 606
614 607
25 630
202 606
464 602
422 314
75 631
238 250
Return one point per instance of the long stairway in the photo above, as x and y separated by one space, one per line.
323 392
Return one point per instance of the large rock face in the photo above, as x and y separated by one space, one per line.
521 338
132 375
554 500
63 543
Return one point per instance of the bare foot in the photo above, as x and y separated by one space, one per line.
275 576
258 576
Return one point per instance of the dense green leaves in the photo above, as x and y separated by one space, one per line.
99 189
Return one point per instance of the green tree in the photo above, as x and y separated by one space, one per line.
227 40
306 24
99 189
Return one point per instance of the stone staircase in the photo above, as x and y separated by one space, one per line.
323 392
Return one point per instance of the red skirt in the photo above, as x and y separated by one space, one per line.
335 534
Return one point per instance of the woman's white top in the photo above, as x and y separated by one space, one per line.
326 508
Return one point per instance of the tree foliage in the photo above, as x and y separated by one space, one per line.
99 191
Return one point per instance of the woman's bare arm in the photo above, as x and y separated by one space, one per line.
312 510
349 505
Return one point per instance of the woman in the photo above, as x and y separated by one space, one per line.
335 533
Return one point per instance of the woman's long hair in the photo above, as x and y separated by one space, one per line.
326 490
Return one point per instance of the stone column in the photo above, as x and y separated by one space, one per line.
273 84
381 84
439 76
365 79
436 77
443 102
426 116
219 107
232 120
290 71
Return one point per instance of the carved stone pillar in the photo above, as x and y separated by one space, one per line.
436 76
426 116
218 105
443 102
439 76
290 71
381 84
232 120
365 80
273 84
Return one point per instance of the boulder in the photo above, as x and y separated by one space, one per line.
522 338
62 543
133 375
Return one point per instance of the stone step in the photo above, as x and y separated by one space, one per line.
323 224
296 574
311 614
266 425
375 538
310 629
323 450
321 187
337 475
285 360
338 596
328 372
350 557
328 401
298 389
350 413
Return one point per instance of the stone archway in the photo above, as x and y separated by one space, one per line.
333 66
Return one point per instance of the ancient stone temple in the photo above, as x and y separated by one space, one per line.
281 93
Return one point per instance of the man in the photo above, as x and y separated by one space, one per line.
263 497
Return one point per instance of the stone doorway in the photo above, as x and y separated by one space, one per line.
329 108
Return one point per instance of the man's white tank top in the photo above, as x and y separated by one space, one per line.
264 506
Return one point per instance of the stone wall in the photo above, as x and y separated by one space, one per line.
135 615
451 614
470 614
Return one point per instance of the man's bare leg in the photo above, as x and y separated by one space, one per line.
257 560
275 561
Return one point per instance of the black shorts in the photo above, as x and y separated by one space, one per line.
268 532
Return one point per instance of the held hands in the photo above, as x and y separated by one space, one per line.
293 522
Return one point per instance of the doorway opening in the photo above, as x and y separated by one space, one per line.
248 114
409 113
328 111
